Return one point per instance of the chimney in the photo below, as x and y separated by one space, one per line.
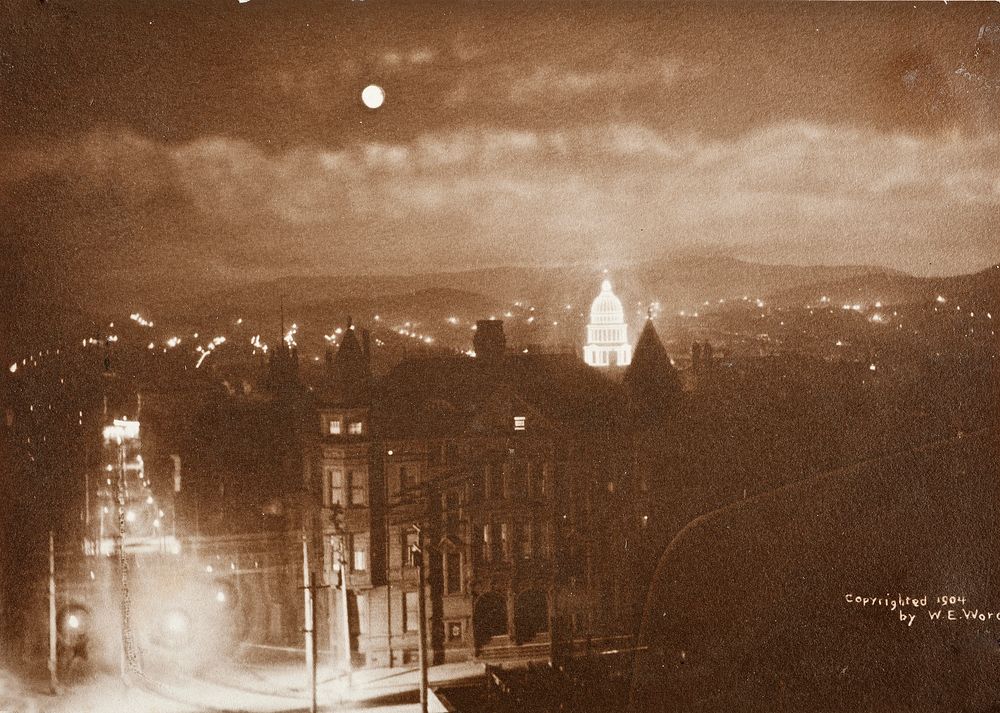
489 342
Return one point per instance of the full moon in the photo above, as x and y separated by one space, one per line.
373 96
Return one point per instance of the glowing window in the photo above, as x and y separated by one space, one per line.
355 428
333 482
360 552
335 427
519 423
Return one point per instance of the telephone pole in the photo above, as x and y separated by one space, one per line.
310 622
345 623
419 550
53 640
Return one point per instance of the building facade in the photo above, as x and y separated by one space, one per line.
607 333
513 471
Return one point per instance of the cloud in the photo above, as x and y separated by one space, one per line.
476 196
555 82
414 58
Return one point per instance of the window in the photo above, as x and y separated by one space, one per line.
519 423
452 572
545 543
355 428
411 541
333 486
335 427
527 541
360 559
505 540
454 630
359 495
411 611
408 477
487 542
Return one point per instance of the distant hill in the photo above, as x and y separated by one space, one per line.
675 282
892 288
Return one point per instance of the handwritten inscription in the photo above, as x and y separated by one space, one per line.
934 608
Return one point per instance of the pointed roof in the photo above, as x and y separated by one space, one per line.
651 376
351 370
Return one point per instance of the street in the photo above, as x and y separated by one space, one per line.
232 688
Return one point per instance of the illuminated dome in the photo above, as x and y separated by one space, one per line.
607 333
607 308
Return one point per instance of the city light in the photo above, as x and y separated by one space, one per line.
290 336
256 343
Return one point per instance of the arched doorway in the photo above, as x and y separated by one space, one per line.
531 614
489 617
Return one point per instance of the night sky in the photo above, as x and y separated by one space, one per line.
157 145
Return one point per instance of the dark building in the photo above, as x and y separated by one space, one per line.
518 469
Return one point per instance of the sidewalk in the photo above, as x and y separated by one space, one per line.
368 685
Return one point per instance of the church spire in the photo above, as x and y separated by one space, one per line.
651 378
351 368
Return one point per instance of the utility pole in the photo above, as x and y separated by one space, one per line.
310 622
53 640
419 551
345 622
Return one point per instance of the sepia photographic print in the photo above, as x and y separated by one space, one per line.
499 357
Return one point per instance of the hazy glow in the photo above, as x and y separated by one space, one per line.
176 622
